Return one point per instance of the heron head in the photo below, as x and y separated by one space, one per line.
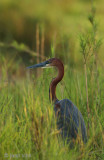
49 63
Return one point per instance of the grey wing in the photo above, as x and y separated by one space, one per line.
70 120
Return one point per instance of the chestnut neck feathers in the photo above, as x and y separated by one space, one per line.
59 65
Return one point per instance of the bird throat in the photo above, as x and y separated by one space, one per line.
52 92
54 82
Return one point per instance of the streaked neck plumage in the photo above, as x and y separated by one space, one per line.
55 81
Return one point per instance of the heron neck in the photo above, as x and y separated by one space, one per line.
55 81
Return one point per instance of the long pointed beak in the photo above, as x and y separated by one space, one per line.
43 65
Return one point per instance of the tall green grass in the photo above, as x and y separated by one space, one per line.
27 121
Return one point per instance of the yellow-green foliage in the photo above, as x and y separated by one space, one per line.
27 120
62 22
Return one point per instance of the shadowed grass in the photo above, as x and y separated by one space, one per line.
28 124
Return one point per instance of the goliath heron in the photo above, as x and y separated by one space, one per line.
69 119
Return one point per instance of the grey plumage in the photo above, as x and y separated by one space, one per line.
69 120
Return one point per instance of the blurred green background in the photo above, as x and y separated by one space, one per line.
39 25
32 31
